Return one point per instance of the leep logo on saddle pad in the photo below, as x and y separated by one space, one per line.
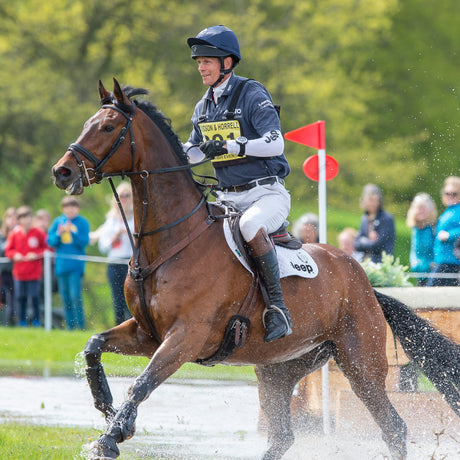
296 263
304 265
292 262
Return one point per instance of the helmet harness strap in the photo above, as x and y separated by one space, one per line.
223 71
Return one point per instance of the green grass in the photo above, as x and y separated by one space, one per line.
21 441
33 351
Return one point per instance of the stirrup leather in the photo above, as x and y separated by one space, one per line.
274 307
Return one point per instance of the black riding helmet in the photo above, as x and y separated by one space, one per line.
216 41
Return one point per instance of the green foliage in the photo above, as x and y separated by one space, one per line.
388 273
382 74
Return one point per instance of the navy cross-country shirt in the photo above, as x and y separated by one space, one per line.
257 115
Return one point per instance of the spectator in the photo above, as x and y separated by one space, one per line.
447 233
346 241
421 219
377 229
42 219
114 241
7 281
25 247
306 228
69 236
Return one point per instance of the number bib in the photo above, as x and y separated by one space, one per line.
222 131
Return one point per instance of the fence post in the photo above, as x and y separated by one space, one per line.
47 285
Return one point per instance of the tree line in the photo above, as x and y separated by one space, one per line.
383 75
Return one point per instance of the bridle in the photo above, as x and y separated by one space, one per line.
96 173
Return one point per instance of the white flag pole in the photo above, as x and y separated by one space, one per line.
322 209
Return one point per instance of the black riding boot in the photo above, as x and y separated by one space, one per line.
276 317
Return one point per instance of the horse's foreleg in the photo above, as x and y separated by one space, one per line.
96 377
168 358
126 339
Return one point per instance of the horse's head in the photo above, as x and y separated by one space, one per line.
101 145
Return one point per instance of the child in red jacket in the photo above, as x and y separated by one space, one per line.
25 247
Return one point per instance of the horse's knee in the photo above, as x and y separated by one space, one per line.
93 350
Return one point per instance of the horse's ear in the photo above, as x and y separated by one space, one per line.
103 93
120 96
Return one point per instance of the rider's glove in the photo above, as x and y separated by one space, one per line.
213 149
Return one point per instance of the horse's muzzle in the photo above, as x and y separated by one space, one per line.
68 180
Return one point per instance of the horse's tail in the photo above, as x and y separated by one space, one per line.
436 356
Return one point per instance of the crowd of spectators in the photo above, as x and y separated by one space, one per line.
25 236
435 242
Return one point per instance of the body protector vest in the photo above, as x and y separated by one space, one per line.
224 130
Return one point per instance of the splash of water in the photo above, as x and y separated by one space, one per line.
79 365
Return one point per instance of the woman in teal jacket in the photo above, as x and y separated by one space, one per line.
421 219
447 232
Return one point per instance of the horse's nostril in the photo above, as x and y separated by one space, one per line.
63 171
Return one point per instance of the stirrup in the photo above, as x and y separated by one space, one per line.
279 310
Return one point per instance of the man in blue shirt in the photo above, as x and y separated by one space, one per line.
239 129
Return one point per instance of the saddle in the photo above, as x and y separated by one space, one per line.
236 331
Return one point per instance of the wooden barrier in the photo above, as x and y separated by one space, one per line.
424 412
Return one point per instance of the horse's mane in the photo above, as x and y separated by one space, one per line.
160 120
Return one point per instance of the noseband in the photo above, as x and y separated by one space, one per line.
96 174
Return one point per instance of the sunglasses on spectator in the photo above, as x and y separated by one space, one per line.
452 194
125 195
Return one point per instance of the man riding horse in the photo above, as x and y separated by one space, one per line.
237 126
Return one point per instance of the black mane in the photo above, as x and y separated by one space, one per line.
162 122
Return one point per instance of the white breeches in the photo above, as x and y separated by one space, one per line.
264 206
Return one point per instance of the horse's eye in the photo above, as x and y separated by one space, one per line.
108 128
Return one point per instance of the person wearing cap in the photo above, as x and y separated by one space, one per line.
238 128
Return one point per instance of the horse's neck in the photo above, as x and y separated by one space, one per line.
169 197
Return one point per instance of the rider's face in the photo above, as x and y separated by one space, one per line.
209 68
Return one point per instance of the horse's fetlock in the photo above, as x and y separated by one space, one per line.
123 424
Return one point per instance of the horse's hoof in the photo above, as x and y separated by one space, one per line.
104 448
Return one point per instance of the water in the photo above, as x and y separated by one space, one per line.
193 420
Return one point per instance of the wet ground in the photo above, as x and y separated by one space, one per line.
192 420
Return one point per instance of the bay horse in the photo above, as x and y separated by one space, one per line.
185 284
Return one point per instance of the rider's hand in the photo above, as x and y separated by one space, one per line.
213 149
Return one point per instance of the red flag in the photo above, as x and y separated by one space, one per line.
313 135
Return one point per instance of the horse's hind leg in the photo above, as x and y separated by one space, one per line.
276 384
362 358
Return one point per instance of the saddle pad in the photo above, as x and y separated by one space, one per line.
292 262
